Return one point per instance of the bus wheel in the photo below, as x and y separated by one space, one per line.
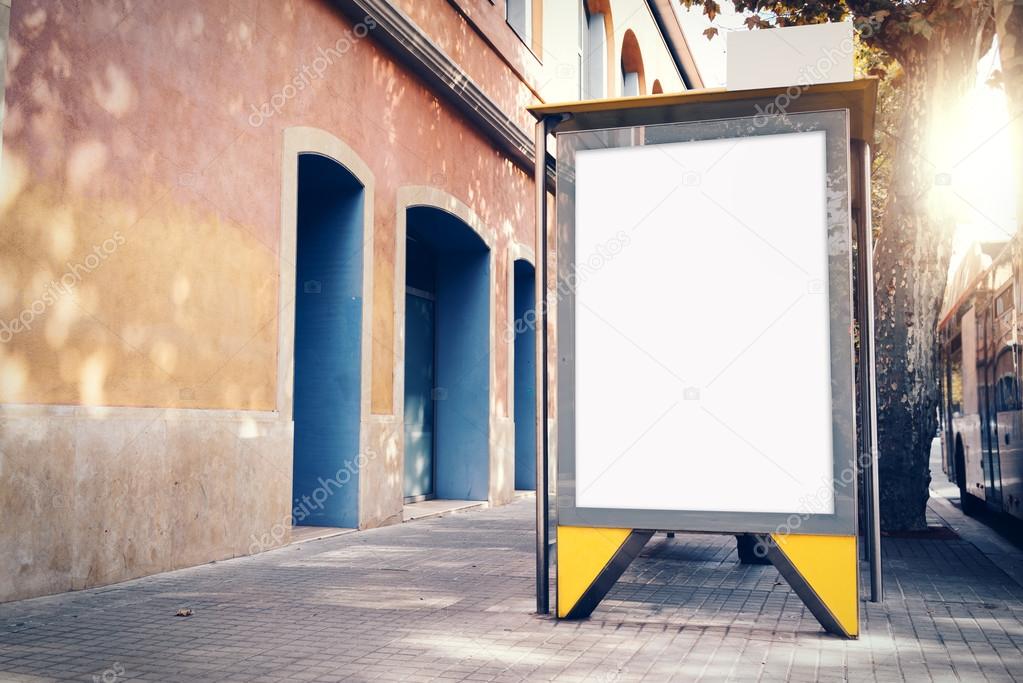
970 505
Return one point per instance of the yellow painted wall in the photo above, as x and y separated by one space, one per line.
106 300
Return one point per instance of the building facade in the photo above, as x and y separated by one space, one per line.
262 263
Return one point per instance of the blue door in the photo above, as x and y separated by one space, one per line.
328 345
420 333
525 377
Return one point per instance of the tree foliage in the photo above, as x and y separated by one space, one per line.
898 27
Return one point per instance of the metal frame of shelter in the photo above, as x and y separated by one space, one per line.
820 562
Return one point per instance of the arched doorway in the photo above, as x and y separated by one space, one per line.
524 378
447 358
328 344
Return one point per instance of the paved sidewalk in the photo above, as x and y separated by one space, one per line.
451 598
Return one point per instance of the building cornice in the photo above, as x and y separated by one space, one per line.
411 46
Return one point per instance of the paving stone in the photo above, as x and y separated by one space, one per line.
451 598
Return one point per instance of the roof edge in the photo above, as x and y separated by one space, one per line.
675 38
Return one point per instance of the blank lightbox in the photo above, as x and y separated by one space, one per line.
705 349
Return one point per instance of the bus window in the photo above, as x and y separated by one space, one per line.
1007 388
1003 304
956 393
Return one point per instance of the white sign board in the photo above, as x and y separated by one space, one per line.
790 56
702 365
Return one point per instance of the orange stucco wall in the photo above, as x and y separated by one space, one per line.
140 195
145 214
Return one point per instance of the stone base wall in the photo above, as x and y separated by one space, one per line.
93 496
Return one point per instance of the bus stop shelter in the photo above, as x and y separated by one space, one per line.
714 314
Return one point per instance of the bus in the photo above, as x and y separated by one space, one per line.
981 413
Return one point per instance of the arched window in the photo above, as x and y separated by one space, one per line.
519 14
633 77
594 51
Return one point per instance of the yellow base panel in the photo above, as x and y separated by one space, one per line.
583 552
822 569
829 565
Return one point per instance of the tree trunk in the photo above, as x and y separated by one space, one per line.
911 252
911 264
1009 29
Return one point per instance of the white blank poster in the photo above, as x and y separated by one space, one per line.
703 374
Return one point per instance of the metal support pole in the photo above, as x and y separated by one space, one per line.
540 272
868 373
